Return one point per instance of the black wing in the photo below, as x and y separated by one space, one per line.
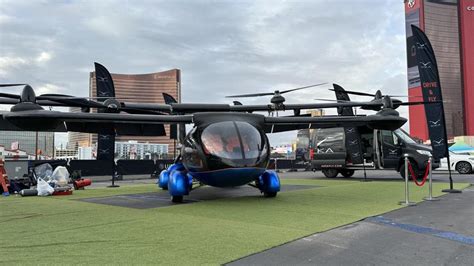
120 124
280 124
189 108
9 126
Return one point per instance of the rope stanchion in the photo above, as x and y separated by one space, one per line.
430 195
425 176
407 201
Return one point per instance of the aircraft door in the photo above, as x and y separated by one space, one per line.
390 148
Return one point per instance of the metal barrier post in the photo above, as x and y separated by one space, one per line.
430 196
407 199
276 167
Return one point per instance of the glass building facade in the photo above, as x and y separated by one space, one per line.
137 88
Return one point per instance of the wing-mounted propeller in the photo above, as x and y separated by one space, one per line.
384 104
388 107
387 102
378 97
277 100
26 101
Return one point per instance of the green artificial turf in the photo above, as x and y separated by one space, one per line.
61 230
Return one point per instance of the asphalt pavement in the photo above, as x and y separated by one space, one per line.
431 233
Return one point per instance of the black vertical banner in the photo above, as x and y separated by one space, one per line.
431 89
105 88
352 136
173 128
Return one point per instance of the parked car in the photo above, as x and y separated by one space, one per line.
463 163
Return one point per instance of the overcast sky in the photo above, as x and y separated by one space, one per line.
221 47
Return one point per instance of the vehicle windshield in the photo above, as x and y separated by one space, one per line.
404 136
233 140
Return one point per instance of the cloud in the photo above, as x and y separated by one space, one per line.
7 63
48 88
5 19
43 57
221 47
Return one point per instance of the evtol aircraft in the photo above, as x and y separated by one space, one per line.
226 147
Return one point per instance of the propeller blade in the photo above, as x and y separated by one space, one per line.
12 85
417 103
273 93
73 101
305 87
373 95
53 96
69 97
11 96
8 101
330 100
405 96
251 95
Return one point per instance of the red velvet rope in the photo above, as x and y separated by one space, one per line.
413 176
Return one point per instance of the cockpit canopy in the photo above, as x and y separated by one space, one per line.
234 140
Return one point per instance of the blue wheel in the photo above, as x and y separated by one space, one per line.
165 175
163 179
269 183
178 185
176 166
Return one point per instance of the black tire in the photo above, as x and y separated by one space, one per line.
330 173
415 169
177 199
269 194
347 173
463 167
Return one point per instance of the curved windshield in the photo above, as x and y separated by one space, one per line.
233 140
251 140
